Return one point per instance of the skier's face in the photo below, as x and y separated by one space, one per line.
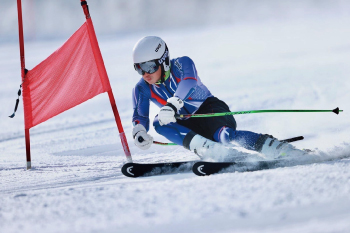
152 78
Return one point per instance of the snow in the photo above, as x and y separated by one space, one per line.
76 184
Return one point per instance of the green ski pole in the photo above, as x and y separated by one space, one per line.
174 144
178 116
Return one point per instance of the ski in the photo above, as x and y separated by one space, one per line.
203 168
198 167
151 169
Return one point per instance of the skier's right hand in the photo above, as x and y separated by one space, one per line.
141 139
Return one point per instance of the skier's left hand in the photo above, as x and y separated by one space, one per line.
141 138
167 113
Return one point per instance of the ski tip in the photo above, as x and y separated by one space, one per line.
127 170
336 111
289 140
197 169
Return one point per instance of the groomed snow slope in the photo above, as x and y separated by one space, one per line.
76 184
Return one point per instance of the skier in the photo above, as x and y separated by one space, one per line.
175 87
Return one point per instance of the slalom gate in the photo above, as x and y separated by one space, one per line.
73 74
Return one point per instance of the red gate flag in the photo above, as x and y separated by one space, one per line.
65 79
71 75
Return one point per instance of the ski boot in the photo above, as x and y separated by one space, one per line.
208 149
272 148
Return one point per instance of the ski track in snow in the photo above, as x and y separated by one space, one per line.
76 184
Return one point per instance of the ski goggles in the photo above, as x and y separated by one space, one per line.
147 67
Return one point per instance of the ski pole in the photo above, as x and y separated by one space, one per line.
174 144
178 116
165 143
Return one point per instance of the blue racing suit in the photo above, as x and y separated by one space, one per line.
184 83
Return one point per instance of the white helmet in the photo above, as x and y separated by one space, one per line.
150 52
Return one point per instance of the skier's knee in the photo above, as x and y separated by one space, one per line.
161 129
156 124
224 134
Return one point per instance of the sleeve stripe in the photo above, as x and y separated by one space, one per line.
159 100
190 78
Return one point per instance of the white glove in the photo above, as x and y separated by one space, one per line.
166 114
141 139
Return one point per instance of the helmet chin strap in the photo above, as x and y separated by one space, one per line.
162 80
164 75
166 62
